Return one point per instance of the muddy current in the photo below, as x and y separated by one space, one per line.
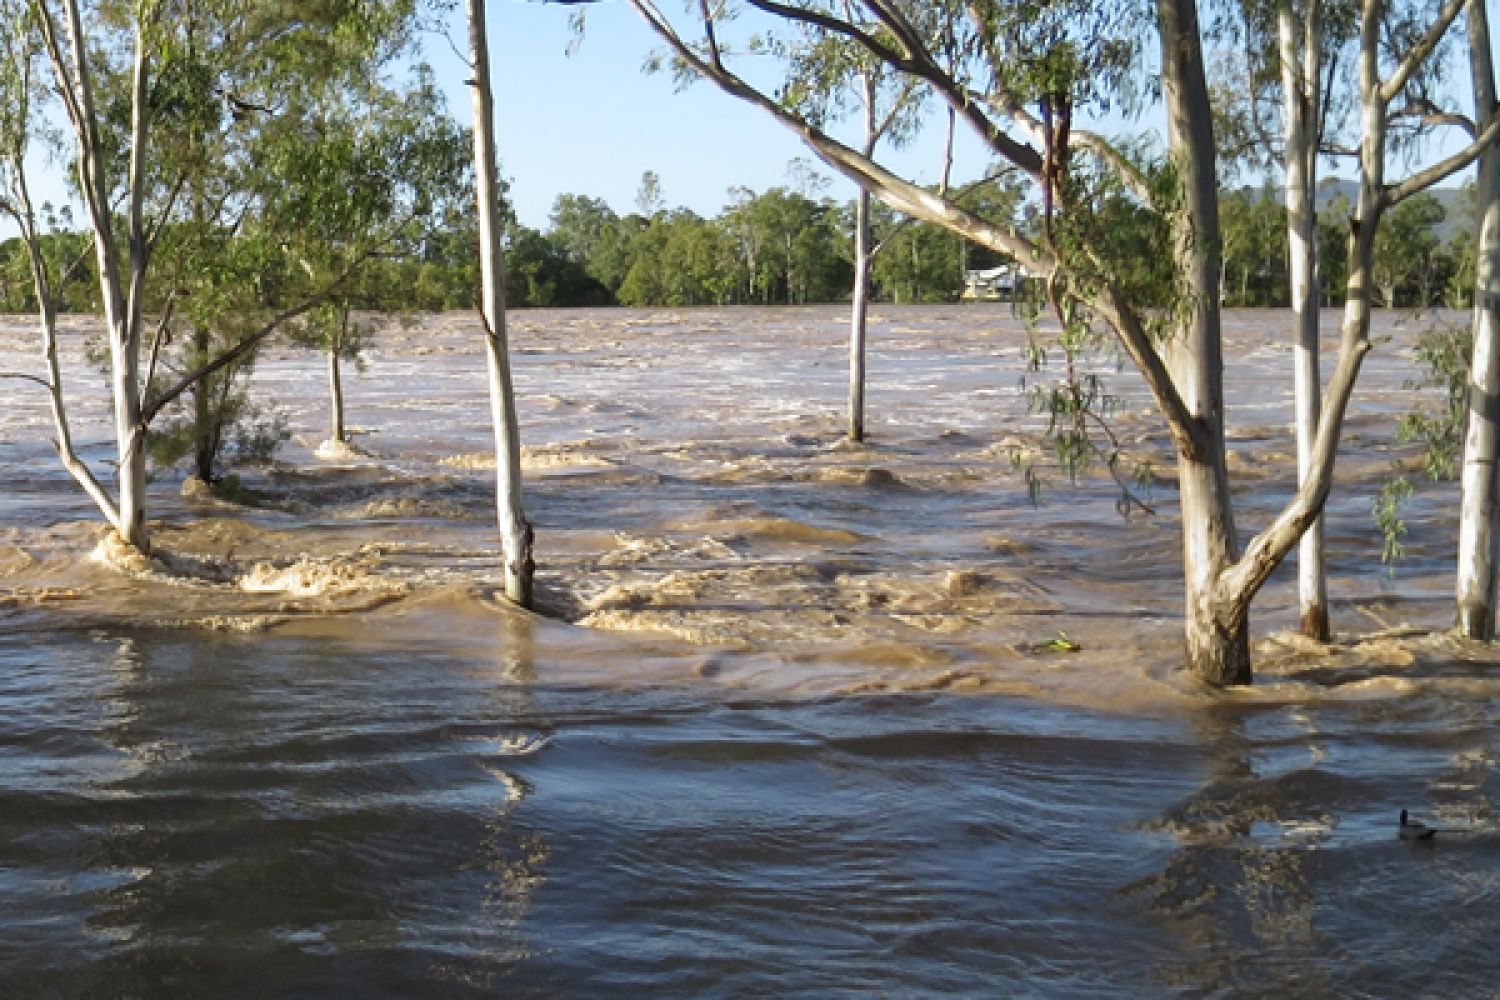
801 717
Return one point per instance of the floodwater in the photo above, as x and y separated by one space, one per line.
804 718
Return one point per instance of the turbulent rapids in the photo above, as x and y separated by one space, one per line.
688 479
801 717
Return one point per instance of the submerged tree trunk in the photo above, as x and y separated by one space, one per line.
860 300
859 310
1301 101
515 531
1217 632
336 430
1476 581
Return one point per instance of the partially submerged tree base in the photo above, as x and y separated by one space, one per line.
1476 622
1315 623
1222 657
118 554
334 450
520 575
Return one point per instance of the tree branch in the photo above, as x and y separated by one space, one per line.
915 61
157 340
1419 52
1189 434
899 194
1424 179
249 343
1427 113
1267 549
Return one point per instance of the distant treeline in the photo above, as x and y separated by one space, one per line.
1424 253
784 247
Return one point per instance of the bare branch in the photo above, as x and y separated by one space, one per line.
1419 52
1424 179
849 30
710 33
25 377
161 219
1189 434
1424 112
916 61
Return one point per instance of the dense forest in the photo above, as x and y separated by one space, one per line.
784 247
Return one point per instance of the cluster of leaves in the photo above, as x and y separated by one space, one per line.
1443 351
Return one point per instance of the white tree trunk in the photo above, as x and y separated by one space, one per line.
336 430
25 217
515 532
1301 101
1217 632
1476 578
122 309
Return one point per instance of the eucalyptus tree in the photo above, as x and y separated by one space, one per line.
1293 47
359 173
160 101
20 126
1301 38
516 535
829 77
1031 72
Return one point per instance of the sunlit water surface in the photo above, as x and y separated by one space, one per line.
797 725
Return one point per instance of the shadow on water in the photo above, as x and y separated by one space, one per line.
268 817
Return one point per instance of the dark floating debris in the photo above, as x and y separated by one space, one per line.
1411 829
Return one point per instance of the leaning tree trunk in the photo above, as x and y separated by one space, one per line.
1217 632
1300 108
515 531
1476 527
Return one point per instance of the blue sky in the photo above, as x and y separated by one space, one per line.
593 122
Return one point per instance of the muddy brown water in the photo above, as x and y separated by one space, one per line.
796 724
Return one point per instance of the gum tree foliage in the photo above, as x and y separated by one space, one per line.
330 173
1030 76
361 174
162 103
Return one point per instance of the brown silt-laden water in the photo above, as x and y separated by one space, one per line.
805 718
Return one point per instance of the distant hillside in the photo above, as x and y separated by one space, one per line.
1453 200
